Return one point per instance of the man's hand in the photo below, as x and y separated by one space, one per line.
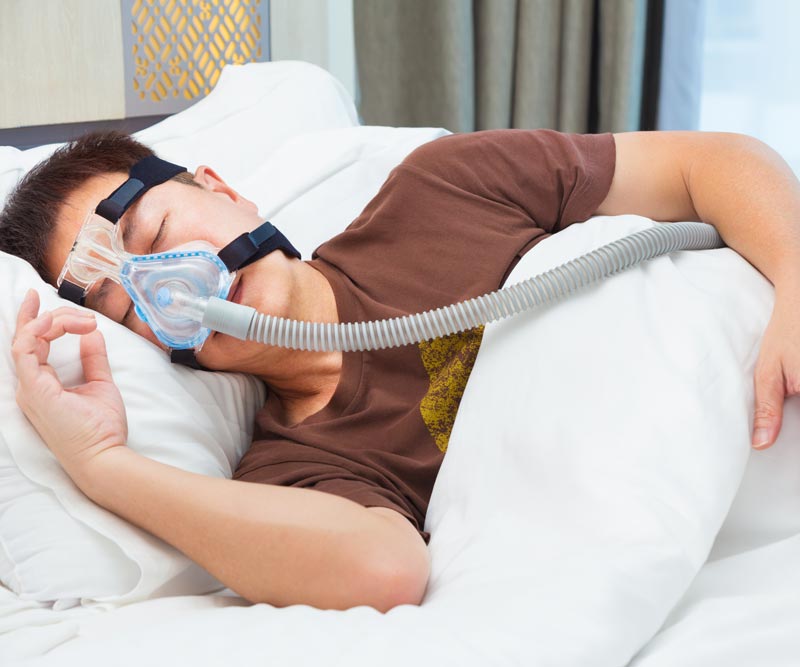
777 373
751 196
80 423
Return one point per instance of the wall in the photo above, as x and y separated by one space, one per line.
62 60
318 31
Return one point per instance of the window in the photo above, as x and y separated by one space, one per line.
751 72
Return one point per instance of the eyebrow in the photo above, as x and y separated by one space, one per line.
131 224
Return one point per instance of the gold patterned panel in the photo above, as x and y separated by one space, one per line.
449 362
179 47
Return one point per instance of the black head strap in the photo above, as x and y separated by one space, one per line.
145 174
72 292
249 247
186 358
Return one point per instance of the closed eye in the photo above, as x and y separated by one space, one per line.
159 235
128 313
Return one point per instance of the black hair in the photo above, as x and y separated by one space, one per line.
29 216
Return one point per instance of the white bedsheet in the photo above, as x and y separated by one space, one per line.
512 582
740 612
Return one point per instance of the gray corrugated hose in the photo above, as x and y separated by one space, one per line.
246 323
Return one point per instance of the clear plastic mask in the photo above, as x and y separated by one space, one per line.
169 289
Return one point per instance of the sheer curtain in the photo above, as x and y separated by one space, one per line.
751 72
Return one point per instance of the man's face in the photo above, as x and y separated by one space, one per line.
167 216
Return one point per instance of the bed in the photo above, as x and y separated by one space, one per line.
598 504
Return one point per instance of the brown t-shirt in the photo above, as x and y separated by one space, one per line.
450 223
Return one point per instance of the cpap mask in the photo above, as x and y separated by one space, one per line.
181 294
170 289
164 287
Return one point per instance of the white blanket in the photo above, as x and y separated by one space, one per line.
579 498
579 517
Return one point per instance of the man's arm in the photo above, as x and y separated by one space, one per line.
734 182
751 196
280 545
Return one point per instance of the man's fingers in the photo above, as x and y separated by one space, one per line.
31 345
28 350
769 397
28 308
95 358
71 310
38 382
35 336
69 321
27 336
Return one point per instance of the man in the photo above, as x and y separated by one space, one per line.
328 505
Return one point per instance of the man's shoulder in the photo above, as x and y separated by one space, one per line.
440 155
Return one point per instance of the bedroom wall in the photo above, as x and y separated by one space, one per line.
62 60
317 31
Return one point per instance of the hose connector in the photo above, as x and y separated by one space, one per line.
229 318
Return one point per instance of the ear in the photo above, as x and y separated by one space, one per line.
209 179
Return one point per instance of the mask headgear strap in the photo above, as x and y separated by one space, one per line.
145 174
186 357
251 246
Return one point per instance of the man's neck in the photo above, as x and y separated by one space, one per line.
304 382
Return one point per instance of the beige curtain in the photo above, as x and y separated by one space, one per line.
569 65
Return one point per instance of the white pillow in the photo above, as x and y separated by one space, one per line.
596 451
252 110
55 545
39 538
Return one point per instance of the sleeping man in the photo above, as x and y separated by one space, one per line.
327 507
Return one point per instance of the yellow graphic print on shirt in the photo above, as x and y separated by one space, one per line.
449 362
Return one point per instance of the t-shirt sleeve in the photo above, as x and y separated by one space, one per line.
293 464
369 495
556 178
